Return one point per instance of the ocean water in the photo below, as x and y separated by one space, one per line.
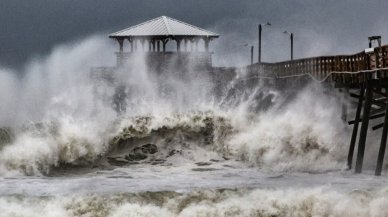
167 145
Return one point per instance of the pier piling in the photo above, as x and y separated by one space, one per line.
364 126
355 128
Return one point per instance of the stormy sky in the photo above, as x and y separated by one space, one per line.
321 27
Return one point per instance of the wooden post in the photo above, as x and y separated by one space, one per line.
383 144
364 126
355 129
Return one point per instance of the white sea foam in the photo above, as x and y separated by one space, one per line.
260 202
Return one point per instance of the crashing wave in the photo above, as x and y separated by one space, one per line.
304 134
42 147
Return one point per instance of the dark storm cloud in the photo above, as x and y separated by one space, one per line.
31 28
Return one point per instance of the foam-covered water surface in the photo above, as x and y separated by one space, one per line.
236 192
228 175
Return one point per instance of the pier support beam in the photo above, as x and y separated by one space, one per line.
364 126
344 105
383 144
355 129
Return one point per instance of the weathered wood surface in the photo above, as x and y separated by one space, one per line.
341 69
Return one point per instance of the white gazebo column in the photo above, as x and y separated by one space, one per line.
153 45
206 40
191 45
196 45
121 44
158 45
142 44
134 45
165 41
185 45
149 45
178 45
131 43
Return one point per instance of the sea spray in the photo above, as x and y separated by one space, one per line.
261 125
304 135
274 140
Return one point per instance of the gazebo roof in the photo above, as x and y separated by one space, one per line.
163 27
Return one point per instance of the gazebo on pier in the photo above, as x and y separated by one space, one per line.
152 38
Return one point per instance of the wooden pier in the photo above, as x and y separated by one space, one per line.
364 75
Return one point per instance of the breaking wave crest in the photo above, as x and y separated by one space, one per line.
277 140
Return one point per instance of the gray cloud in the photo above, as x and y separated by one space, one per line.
321 27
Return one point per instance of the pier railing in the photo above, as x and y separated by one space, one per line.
340 68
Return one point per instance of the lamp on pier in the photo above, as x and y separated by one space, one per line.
259 42
252 48
292 42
